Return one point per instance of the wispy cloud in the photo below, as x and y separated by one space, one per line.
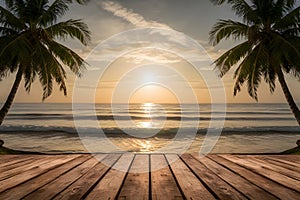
169 46
142 56
139 21
128 15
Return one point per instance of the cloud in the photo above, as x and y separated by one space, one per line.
172 36
128 15
143 56
132 45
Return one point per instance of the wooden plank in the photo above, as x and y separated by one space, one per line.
163 184
292 158
79 188
269 165
27 166
239 183
280 178
16 163
14 160
29 186
7 158
280 162
26 175
191 187
220 188
55 187
226 176
265 183
136 185
111 183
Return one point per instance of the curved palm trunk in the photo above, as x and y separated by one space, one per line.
11 96
288 96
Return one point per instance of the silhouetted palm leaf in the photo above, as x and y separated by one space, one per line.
28 44
271 44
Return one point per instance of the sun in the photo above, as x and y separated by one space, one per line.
148 104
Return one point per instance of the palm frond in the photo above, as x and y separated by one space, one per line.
254 76
14 49
228 28
82 1
218 2
284 6
71 28
291 20
9 20
57 9
4 71
67 57
16 6
270 77
242 8
296 73
29 77
7 31
289 4
43 66
291 32
279 10
46 81
56 69
250 71
232 57
60 77
285 51
49 68
9 3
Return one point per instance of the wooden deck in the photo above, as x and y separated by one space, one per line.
189 177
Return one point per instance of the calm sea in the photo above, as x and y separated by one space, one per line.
248 128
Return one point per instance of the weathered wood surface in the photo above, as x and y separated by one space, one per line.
144 176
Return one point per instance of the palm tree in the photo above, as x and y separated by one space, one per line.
29 30
270 44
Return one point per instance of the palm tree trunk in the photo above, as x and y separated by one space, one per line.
11 96
288 96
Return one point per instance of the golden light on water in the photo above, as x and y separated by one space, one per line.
145 145
144 124
148 104
147 110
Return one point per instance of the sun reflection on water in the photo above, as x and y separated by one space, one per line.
147 111
144 124
148 104
148 124
145 145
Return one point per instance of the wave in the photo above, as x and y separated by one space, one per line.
41 130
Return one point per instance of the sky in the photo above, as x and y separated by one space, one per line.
150 51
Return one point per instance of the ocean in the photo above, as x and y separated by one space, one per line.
148 128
